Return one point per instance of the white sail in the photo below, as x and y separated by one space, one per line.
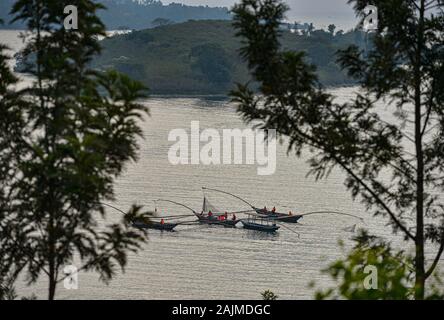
207 207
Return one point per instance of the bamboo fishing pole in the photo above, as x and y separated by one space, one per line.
230 194
332 212
179 204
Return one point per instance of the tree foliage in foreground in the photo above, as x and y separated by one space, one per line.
63 141
7 102
393 163
392 271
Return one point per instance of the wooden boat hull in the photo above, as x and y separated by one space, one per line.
287 218
214 221
156 226
282 217
259 227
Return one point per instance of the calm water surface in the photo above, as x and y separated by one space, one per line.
205 262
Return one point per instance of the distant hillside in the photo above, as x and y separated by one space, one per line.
201 57
142 15
135 14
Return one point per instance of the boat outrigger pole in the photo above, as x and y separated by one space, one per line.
112 207
179 204
233 195
333 212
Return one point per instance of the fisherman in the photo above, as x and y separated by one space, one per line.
162 222
274 209
226 215
234 217
290 213
210 214
265 209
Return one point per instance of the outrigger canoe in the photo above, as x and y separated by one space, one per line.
147 225
204 218
283 217
214 221
155 225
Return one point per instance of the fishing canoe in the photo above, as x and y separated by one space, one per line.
214 221
155 225
282 217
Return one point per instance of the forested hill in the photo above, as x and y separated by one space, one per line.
201 57
137 14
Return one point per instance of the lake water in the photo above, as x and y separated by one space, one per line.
206 262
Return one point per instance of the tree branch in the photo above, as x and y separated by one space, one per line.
436 261
317 145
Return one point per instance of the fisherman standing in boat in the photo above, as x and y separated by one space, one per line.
274 210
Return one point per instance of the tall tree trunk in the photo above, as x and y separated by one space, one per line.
51 261
52 287
419 240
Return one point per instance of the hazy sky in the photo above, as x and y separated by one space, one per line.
320 12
